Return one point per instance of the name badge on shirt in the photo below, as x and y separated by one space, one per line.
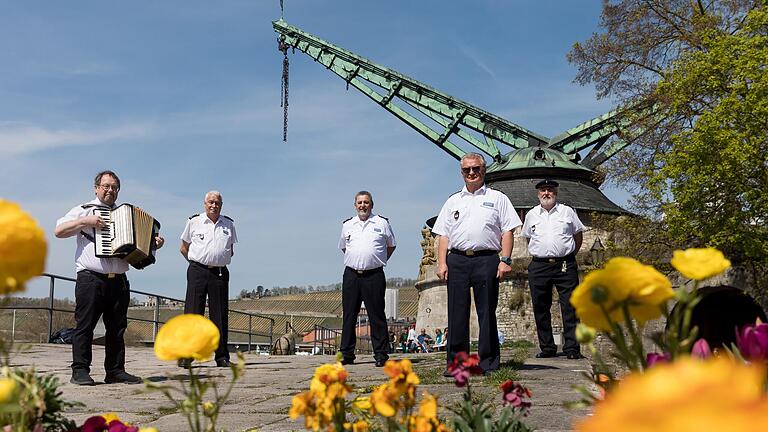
377 230
488 204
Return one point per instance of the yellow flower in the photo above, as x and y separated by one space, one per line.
7 390
700 263
109 417
362 403
428 406
623 281
585 334
686 395
360 426
209 408
149 429
22 248
384 400
187 336
299 405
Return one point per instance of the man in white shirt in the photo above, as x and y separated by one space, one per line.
554 234
367 242
208 244
101 289
475 225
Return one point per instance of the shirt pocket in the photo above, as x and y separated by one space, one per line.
562 226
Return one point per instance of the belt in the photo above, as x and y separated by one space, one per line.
103 275
367 272
568 257
206 265
471 252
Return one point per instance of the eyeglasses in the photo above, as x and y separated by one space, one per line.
476 169
114 188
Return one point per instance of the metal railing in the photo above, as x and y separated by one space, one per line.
156 322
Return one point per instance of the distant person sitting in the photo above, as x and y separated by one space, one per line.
404 341
412 339
443 342
424 340
438 338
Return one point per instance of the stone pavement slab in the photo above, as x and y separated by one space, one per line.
261 399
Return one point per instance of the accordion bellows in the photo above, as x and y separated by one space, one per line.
129 234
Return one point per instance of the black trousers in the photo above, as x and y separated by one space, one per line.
542 276
96 295
478 272
213 283
355 289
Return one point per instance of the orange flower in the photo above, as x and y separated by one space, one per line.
686 395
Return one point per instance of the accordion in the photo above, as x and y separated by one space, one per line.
129 234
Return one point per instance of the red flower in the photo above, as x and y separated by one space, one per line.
463 366
513 395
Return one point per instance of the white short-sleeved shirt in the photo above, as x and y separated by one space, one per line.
476 220
85 253
365 242
551 232
210 243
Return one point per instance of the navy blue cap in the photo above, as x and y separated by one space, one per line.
547 182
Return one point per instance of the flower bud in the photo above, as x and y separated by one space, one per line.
585 334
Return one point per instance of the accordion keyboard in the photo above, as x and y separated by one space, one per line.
105 234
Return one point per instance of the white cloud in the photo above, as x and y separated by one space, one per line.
20 137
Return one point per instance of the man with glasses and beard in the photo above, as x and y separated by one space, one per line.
554 233
101 288
367 242
474 226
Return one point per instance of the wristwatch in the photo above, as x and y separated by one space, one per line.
506 260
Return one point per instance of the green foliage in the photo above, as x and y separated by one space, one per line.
695 80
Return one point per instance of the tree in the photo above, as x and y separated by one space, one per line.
693 80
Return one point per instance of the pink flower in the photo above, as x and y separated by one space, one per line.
701 349
513 395
654 358
752 341
463 366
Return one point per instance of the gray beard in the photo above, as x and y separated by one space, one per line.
547 202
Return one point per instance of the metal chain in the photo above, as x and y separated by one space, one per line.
282 46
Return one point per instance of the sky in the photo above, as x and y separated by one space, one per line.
182 97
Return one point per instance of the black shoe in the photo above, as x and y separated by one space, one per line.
574 356
184 363
223 363
447 374
347 361
545 354
122 377
380 363
82 377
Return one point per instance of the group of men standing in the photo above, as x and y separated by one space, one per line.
102 288
475 240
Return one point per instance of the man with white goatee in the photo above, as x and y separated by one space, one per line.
554 234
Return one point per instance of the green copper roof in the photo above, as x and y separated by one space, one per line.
535 157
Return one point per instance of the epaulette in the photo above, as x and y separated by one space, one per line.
227 217
194 215
384 217
345 220
458 191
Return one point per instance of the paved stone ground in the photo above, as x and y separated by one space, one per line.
260 401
